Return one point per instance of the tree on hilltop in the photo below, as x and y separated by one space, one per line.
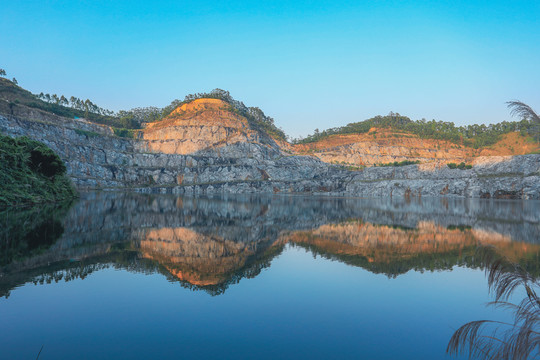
2 72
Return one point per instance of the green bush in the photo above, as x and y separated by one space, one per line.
45 161
31 173
460 166
89 134
401 163
125 133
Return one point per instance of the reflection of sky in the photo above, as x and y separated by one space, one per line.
299 307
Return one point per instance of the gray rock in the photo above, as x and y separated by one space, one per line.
96 159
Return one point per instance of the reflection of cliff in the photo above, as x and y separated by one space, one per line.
196 258
395 250
210 243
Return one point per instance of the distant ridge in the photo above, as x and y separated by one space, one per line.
213 120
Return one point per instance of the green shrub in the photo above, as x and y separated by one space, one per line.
45 161
31 173
401 163
125 133
460 166
89 134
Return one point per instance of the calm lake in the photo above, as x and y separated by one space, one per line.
133 276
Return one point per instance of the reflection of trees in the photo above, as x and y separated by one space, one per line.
126 257
210 243
27 232
420 262
488 339
394 250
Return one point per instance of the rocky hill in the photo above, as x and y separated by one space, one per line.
209 145
199 125
383 145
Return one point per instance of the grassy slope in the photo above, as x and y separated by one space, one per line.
17 95
31 173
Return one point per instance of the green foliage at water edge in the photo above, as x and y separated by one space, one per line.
31 173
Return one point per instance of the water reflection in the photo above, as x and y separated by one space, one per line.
211 243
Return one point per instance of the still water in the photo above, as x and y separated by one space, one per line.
143 276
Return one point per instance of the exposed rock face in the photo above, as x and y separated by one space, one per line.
205 148
386 146
96 161
382 148
510 177
198 125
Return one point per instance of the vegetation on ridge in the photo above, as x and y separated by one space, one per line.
400 163
460 166
476 136
255 116
124 120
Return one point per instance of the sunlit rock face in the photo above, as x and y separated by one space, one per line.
205 148
384 147
381 146
198 125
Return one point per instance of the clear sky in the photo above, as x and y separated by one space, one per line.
308 64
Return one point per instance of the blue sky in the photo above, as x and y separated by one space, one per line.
308 64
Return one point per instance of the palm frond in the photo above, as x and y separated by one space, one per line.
519 339
522 110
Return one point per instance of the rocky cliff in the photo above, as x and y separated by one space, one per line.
205 147
199 125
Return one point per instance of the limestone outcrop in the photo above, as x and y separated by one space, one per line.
205 147
198 125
